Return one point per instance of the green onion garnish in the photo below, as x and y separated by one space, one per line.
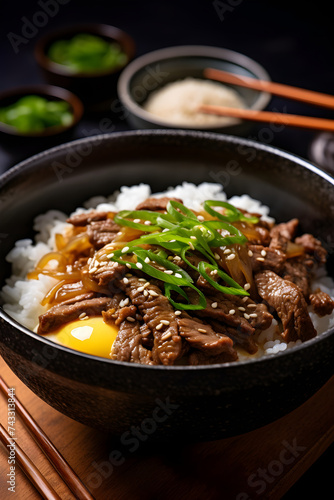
180 232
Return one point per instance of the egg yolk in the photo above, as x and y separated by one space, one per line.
91 335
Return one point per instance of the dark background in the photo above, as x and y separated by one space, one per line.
294 44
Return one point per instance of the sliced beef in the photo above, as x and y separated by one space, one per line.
289 303
102 232
65 312
87 217
282 233
159 315
234 311
322 303
241 339
156 204
313 247
201 336
266 258
299 271
109 275
79 297
128 344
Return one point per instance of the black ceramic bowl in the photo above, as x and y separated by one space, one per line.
201 402
50 135
154 70
91 87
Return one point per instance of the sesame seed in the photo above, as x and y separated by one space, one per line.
227 251
172 241
153 293
214 271
164 230
201 330
110 255
217 256
253 315
142 280
191 245
139 265
164 321
200 217
147 223
231 256
178 275
263 253
89 261
83 318
124 302
177 257
119 233
129 318
231 312
250 253
128 265
159 326
214 305
251 305
136 221
177 312
82 315
125 280
260 259
246 316
93 270
166 336
140 289
168 271
125 249
244 299
247 286
193 237
147 260
145 292
241 309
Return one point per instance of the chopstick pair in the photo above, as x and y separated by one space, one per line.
279 89
55 458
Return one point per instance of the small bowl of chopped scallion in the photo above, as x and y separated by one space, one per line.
86 59
38 111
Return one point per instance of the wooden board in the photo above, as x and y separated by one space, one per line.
260 464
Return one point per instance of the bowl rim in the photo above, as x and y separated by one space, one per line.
273 150
45 90
105 30
181 51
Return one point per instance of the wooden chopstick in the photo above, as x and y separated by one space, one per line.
52 454
29 468
279 89
270 116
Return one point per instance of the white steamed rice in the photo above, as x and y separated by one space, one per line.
21 297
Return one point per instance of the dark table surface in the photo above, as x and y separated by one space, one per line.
294 44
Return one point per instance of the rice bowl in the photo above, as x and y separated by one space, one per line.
212 400
23 298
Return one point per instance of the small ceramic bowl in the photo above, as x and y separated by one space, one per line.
153 71
48 136
91 87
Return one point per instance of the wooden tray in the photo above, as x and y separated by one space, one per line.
261 464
